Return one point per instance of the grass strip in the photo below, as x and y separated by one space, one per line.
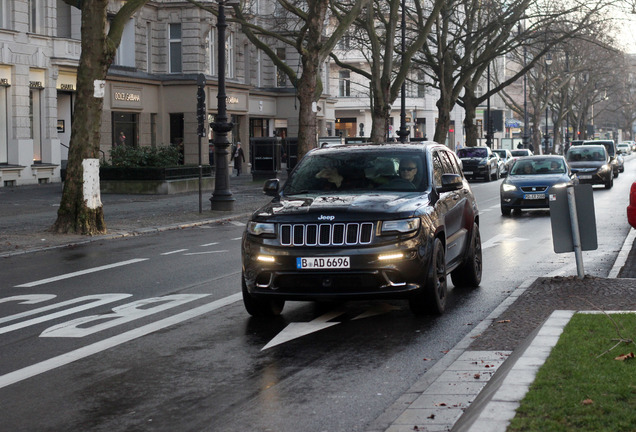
581 387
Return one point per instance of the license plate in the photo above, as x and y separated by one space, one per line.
534 196
585 177
323 263
468 172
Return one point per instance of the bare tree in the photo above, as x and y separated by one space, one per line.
301 25
98 51
387 66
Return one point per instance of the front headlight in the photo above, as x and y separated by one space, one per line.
402 226
261 229
483 162
605 167
559 185
508 187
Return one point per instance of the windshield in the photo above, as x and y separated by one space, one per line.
358 171
520 152
472 153
586 154
539 166
501 153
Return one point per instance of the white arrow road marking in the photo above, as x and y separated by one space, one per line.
500 238
296 330
380 309
79 273
80 353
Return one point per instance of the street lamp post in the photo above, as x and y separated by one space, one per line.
222 198
525 137
403 132
488 117
548 62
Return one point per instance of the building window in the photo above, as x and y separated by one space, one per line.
259 62
125 55
5 13
345 42
35 123
421 85
125 129
229 55
344 83
212 50
174 45
259 127
281 77
148 46
177 129
34 16
4 138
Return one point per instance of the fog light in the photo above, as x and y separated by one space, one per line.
265 258
391 256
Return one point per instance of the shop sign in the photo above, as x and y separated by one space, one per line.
126 98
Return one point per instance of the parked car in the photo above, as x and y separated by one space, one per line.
531 180
506 158
591 164
363 221
610 146
631 208
479 162
624 148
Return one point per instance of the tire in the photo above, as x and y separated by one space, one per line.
488 176
609 183
469 273
505 211
432 299
260 308
497 174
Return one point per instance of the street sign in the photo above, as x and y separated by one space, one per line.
562 236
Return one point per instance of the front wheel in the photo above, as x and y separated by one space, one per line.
609 183
505 211
432 299
468 274
260 308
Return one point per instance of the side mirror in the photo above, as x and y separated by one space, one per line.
450 182
271 187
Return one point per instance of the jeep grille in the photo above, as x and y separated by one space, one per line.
337 234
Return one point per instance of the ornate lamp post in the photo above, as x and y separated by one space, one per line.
488 118
546 137
525 137
403 133
222 198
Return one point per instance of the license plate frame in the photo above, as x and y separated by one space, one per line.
534 196
585 176
323 263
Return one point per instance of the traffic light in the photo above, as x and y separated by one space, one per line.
201 120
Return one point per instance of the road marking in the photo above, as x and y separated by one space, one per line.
80 273
498 239
174 252
84 326
80 353
206 252
236 223
29 299
300 329
210 244
237 238
94 301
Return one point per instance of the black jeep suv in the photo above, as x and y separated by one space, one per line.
364 221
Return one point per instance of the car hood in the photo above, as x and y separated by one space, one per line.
538 180
586 164
324 207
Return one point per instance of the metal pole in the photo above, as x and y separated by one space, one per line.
403 133
576 236
488 119
525 101
222 198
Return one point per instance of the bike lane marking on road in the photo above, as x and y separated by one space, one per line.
80 273
94 348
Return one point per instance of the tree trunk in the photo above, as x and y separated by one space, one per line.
470 128
74 216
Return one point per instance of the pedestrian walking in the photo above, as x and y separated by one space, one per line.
239 158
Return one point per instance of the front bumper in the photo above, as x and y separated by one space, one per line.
519 200
367 276
594 177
